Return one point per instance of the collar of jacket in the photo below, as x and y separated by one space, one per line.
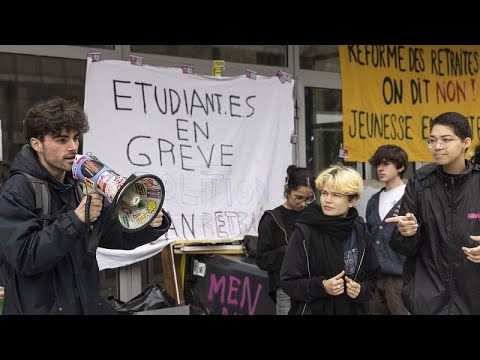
427 170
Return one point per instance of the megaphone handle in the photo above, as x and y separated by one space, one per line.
87 211
91 238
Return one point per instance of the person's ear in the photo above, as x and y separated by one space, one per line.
466 143
35 144
353 203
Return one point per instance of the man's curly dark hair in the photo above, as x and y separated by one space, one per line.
52 116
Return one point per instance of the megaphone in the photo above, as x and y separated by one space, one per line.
137 199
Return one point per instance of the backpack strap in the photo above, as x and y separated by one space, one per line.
79 191
42 197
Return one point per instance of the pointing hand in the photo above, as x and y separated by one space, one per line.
407 224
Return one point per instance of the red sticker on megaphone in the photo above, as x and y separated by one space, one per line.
90 168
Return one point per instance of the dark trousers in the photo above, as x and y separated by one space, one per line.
387 299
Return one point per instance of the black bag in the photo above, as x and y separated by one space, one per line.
152 298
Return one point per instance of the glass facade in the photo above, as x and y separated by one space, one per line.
319 58
110 47
27 79
273 55
323 112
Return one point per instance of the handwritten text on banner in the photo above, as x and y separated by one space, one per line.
390 93
220 145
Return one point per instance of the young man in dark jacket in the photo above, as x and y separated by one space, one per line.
46 271
391 162
439 213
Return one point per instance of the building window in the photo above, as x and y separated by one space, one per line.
28 79
272 55
324 135
108 47
320 58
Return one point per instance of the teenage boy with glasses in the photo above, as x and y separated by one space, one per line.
437 218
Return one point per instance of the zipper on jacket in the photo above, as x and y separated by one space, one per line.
360 264
308 262
308 270
450 252
284 231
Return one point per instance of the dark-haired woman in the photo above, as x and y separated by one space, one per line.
276 226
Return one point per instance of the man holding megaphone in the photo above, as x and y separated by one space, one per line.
46 261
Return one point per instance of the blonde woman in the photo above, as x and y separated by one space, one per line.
330 267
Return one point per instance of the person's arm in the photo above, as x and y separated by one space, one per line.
406 236
115 238
25 244
294 277
268 257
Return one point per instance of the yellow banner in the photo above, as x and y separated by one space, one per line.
390 93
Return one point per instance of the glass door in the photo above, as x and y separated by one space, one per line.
323 128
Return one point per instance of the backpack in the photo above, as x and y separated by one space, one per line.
42 197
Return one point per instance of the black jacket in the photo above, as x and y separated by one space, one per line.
438 278
45 267
303 272
271 246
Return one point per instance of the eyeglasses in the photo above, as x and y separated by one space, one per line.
444 143
299 199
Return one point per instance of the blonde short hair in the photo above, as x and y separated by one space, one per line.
341 179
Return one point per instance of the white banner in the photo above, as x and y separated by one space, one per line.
220 145
114 258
